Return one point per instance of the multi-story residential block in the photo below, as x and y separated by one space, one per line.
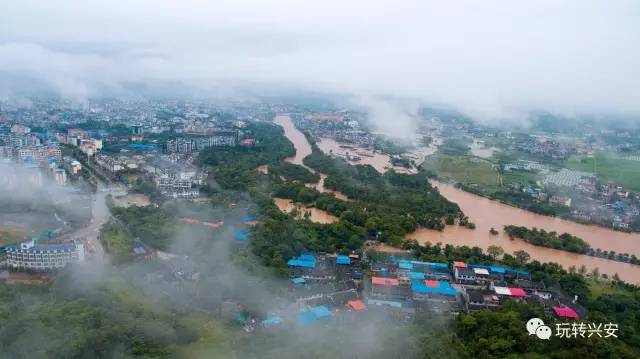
39 154
20 129
42 257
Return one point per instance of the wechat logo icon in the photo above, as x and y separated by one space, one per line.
535 326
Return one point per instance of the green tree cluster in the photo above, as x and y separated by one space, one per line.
540 237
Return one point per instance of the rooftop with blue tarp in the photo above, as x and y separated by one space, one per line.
298 280
343 260
307 317
443 288
498 269
272 320
442 266
314 313
240 235
305 260
413 265
299 263
416 275
320 311
517 271
307 257
144 147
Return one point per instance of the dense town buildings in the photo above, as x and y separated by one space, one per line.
409 287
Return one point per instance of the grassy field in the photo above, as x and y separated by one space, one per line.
213 342
596 289
10 235
609 166
523 178
467 169
116 240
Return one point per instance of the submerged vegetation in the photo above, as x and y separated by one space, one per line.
293 172
402 202
540 237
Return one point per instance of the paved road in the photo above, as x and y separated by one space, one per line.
100 214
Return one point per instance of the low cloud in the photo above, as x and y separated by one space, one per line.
494 61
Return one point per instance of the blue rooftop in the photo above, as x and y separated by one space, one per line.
320 311
517 271
313 314
298 280
443 288
416 275
413 264
307 257
143 147
272 320
496 269
443 266
299 263
343 260
249 218
304 260
240 235
307 317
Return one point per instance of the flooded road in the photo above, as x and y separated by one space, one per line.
486 213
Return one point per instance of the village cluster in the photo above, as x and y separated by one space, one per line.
334 286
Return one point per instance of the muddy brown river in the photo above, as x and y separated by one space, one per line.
486 213
303 149
315 215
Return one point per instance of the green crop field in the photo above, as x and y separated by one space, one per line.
610 166
467 169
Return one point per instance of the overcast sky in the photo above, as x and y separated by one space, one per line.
488 58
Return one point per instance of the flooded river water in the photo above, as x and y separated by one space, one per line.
486 213
365 156
315 215
303 149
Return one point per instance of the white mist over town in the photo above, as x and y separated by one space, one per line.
319 179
